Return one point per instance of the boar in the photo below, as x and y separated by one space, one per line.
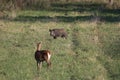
58 33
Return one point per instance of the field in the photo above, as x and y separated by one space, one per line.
91 51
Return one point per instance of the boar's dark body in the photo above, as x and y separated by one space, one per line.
58 33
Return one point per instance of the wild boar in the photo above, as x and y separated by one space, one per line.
58 33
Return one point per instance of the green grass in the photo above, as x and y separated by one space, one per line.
91 51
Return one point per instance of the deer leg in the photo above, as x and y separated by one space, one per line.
47 61
39 65
49 64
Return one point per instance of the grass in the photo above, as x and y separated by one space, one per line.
91 51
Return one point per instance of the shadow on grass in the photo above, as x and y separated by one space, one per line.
65 18
83 7
76 7
56 18
111 11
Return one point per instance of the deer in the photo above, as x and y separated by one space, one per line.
42 55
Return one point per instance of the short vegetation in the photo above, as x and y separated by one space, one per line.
90 52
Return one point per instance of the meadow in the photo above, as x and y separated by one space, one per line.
91 51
